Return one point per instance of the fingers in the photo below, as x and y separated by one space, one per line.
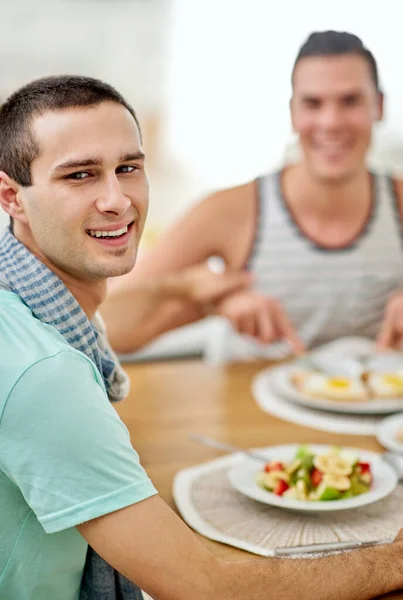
206 286
247 325
272 323
260 317
386 335
266 331
286 329
391 332
232 281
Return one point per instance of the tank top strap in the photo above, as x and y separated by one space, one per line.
389 203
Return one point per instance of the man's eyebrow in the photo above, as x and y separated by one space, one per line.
132 156
79 162
310 98
351 93
96 161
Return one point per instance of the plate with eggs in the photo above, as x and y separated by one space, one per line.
344 385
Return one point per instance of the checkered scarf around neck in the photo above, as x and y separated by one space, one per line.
52 303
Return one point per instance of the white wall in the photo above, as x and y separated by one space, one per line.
215 73
229 77
120 41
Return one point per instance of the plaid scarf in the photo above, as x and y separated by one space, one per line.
52 303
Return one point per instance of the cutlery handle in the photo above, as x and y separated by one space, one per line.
223 446
326 547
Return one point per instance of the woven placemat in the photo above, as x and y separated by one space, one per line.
209 504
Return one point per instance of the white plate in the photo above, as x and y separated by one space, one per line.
386 433
281 384
242 477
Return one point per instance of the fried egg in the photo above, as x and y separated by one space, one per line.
333 388
386 385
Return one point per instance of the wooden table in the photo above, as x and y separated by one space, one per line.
168 401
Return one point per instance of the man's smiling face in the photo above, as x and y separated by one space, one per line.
334 107
86 207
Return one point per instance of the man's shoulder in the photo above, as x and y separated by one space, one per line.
24 339
18 324
234 209
229 206
237 194
242 196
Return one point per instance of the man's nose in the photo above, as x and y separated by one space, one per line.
331 117
112 199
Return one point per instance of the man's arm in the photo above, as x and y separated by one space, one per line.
152 547
221 225
138 311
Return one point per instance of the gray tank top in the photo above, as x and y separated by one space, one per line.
327 293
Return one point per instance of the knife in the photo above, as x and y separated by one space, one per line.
326 547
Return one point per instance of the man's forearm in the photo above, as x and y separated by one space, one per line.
137 314
357 575
151 546
136 311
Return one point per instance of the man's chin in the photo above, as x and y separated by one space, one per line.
113 269
333 174
121 270
115 264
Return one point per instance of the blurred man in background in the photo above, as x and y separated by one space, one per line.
322 238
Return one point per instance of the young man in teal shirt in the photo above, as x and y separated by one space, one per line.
72 178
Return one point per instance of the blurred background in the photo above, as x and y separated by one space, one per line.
210 79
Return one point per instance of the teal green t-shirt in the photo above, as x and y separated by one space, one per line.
65 457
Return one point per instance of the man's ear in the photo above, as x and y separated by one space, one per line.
10 200
291 108
380 106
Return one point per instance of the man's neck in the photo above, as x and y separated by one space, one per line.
337 200
89 294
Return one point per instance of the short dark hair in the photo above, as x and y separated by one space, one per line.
18 147
332 43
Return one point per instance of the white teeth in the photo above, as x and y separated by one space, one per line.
99 233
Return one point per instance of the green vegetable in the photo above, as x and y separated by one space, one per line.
305 455
303 451
325 492
357 486
307 462
347 494
301 475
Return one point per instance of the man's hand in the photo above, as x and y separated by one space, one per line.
261 317
391 333
203 286
138 311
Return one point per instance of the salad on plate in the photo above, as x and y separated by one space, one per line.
335 474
